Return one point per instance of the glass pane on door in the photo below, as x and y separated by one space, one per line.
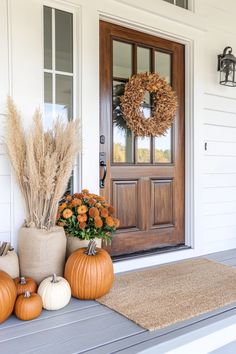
143 149
163 65
163 144
122 136
162 148
143 59
122 60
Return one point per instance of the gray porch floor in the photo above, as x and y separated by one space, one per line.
88 327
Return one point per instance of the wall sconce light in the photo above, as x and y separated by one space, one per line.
227 67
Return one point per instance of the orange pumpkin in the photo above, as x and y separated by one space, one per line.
89 272
28 306
7 295
24 284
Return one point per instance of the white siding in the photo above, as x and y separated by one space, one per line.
206 31
5 172
219 169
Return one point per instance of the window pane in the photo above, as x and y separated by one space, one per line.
162 153
47 18
143 59
64 41
182 3
122 136
122 59
143 149
163 65
48 106
64 96
122 145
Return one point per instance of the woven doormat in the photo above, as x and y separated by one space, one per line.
159 297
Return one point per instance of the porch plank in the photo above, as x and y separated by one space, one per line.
74 305
222 256
170 332
89 327
226 349
43 324
74 337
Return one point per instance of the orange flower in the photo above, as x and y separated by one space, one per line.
82 225
93 212
98 222
62 206
116 222
76 202
85 191
82 218
91 201
98 205
111 209
67 213
69 197
109 221
78 195
99 198
82 209
104 212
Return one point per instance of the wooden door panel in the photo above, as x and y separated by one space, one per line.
162 203
125 201
148 196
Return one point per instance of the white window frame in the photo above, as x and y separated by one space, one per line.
190 5
76 72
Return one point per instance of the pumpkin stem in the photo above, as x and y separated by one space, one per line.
54 278
91 249
27 294
22 280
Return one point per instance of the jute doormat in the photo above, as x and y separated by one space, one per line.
162 296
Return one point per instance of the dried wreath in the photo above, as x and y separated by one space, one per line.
164 103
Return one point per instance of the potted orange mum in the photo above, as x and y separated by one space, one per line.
86 216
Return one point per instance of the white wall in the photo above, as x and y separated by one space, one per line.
211 108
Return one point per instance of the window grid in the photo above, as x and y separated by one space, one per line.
183 4
55 72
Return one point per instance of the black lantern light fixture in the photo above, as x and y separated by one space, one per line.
227 67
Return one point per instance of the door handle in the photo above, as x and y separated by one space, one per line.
102 180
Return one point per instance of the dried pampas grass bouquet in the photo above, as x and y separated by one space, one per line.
42 162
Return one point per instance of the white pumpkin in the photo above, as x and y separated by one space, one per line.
55 292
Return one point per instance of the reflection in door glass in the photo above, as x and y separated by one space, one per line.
143 60
163 65
122 145
122 60
122 136
162 152
143 149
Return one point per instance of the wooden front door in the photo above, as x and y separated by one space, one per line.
145 176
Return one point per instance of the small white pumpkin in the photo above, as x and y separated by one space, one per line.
55 292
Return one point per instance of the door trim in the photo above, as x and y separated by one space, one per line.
189 116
